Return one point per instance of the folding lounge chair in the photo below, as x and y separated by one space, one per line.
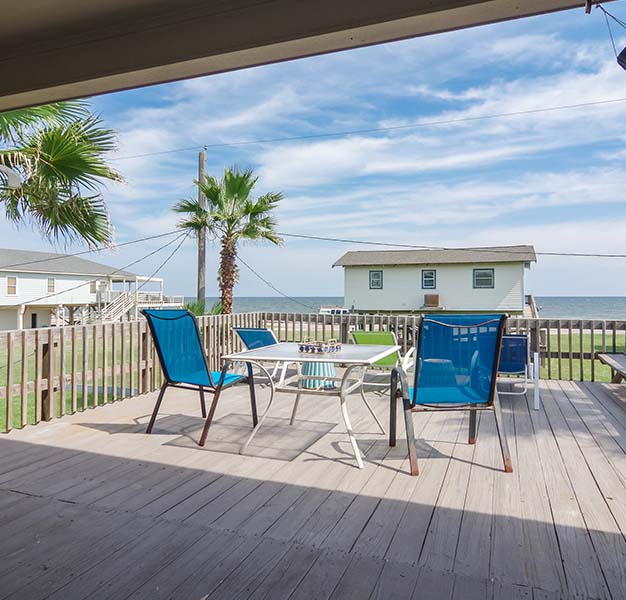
515 362
456 369
179 348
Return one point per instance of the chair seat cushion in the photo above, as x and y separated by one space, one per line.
444 395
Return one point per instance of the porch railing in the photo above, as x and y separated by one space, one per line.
46 373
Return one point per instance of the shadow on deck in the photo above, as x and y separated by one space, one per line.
91 507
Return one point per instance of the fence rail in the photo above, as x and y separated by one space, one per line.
46 373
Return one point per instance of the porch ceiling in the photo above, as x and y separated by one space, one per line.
69 48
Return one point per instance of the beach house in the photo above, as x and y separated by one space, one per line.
38 289
459 280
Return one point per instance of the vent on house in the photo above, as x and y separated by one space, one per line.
431 300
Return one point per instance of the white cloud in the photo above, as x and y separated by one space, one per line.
545 178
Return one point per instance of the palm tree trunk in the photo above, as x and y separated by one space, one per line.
228 273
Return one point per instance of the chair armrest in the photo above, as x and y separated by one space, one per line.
407 360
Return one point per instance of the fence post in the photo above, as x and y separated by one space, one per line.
344 329
9 383
47 373
145 371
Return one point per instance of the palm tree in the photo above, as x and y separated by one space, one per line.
231 216
59 151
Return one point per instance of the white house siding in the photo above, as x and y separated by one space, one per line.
31 286
8 319
402 288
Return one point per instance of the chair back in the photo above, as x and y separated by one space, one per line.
379 338
178 345
256 337
514 356
457 359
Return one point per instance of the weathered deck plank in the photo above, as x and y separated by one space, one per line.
156 517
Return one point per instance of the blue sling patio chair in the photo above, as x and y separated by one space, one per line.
455 369
515 363
259 337
183 362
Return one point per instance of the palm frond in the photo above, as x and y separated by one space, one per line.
14 122
60 152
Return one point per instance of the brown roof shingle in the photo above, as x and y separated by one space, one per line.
496 254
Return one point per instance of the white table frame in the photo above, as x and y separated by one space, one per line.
356 357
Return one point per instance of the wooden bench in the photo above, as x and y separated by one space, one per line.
617 362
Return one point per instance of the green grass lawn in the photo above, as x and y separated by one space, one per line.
598 372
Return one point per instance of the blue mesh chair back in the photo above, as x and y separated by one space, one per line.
256 337
514 354
457 359
178 345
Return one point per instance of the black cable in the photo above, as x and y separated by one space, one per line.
376 129
271 285
186 235
608 26
608 14
415 247
61 256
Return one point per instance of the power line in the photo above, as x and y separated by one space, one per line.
84 283
377 129
416 247
271 285
62 256
185 236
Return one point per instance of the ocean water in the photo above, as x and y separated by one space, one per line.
582 307
564 307
299 304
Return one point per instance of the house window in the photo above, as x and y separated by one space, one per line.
484 278
50 285
92 287
11 286
376 280
429 279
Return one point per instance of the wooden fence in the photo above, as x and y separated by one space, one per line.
46 373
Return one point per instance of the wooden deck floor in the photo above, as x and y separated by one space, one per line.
91 507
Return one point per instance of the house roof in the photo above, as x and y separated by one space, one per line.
27 261
495 254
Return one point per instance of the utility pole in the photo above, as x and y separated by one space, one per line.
201 234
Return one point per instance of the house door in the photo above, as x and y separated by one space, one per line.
33 320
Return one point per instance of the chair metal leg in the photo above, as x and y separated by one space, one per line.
209 419
202 403
295 404
380 425
410 439
156 408
472 426
255 416
393 408
267 409
295 409
346 417
504 444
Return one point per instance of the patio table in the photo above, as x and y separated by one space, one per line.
356 358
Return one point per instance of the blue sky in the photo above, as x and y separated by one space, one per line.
554 179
